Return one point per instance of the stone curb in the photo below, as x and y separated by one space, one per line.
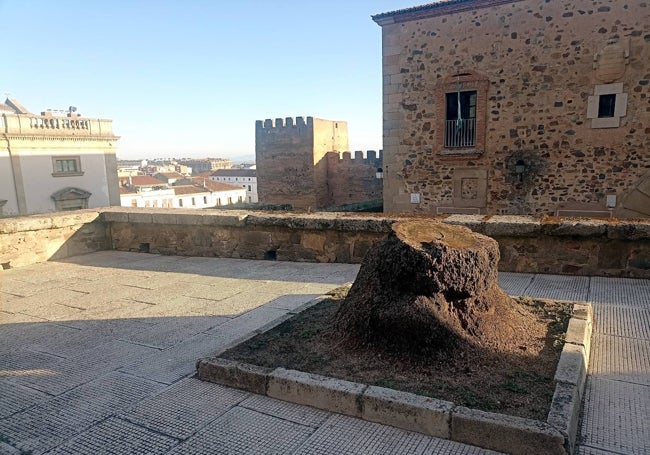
437 418
571 375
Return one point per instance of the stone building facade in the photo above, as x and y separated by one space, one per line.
55 161
517 107
305 163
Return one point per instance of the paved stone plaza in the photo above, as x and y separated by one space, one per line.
97 354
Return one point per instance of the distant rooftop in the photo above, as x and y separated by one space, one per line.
235 173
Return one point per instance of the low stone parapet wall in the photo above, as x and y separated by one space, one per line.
609 247
558 246
28 240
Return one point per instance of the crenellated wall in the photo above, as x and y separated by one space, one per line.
352 180
304 163
532 245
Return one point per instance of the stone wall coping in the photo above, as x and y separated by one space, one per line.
48 221
493 226
438 418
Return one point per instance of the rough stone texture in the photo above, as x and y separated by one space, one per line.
534 66
432 293
38 238
243 376
572 366
321 392
551 245
305 163
512 435
407 411
565 412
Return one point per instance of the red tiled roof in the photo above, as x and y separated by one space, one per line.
144 180
171 175
181 190
215 186
235 173
124 190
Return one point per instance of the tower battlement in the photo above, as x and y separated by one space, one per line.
282 123
358 156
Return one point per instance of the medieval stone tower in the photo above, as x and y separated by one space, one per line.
291 160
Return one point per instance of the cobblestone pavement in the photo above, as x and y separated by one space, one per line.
97 354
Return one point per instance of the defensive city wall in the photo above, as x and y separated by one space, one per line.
550 245
305 162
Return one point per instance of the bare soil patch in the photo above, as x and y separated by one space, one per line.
514 376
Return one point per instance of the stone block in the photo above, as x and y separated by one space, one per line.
572 366
407 411
581 228
114 216
140 217
329 394
508 434
511 226
163 218
565 412
583 311
579 332
231 373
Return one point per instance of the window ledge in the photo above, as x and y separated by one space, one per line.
67 174
452 153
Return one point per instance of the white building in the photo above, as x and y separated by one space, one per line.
246 178
147 191
55 161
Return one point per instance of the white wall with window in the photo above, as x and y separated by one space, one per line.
246 178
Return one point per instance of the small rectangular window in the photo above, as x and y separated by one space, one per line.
180 203
606 105
193 201
66 166
205 199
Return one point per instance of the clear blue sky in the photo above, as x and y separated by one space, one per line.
189 78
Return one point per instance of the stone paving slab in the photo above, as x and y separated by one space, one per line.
243 431
51 422
623 321
183 408
618 416
344 435
114 437
303 415
15 398
171 331
623 359
69 373
179 361
559 287
515 283
620 291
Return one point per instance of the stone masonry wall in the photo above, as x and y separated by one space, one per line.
541 60
31 239
532 245
291 160
351 180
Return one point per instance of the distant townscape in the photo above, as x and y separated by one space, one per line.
543 113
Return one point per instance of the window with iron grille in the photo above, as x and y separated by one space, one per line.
460 119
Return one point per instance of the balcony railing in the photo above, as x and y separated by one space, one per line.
465 136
